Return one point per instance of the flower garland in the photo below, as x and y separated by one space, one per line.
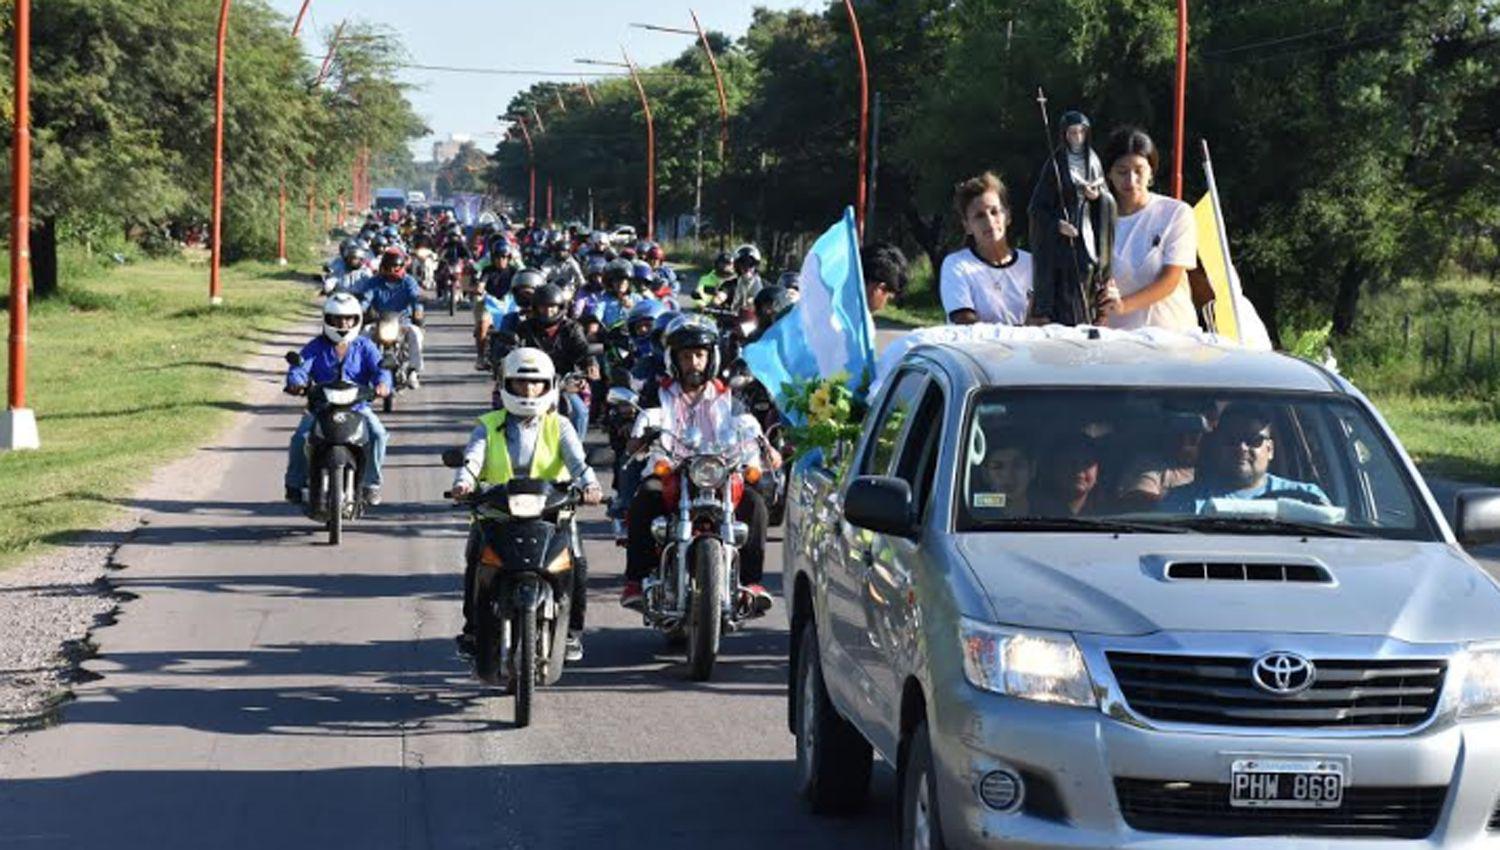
825 413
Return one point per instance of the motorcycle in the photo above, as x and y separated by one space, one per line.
395 353
523 590
762 405
338 450
450 281
693 593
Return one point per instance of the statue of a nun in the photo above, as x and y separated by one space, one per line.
1072 232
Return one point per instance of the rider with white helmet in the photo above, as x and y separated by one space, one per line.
340 352
527 434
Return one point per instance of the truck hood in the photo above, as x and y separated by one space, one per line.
1103 584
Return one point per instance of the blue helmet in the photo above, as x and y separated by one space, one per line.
647 310
641 270
596 265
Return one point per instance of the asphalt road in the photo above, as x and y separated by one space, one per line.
262 689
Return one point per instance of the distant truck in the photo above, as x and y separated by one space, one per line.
390 199
416 198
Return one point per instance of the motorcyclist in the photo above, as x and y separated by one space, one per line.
739 293
618 298
501 313
561 268
590 299
657 259
499 273
526 433
642 366
394 291
692 398
349 269
545 326
711 282
340 352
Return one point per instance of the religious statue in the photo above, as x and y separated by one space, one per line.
1072 218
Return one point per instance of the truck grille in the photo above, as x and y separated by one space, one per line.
1151 805
1219 691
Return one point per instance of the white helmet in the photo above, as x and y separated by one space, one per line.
533 365
336 312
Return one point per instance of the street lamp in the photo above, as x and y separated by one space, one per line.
635 76
215 297
1180 111
713 64
864 114
18 427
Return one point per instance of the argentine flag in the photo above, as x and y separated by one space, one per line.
830 330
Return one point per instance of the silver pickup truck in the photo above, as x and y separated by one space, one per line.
1097 593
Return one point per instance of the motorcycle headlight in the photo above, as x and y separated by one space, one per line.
1030 665
388 333
526 505
708 472
1479 672
342 397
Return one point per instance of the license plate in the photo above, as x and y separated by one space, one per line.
1281 784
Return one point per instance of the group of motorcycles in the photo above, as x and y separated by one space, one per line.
529 539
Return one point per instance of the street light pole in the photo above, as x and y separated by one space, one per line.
531 166
1179 143
650 149
215 296
18 426
864 114
302 13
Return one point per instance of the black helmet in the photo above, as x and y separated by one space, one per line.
687 333
548 295
723 259
529 280
771 303
747 253
617 270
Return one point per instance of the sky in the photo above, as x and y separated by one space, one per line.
516 34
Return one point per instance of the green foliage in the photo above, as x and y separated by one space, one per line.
123 112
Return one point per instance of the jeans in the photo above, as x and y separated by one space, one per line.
577 413
628 474
296 460
641 550
577 611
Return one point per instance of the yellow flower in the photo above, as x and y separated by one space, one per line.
820 404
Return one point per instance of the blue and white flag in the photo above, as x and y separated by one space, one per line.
830 330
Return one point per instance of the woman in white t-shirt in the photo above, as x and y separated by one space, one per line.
1156 243
986 281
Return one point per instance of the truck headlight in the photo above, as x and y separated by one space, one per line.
1031 665
1479 695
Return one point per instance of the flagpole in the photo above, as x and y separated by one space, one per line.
1229 273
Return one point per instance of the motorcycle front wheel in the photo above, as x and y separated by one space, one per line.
706 611
526 657
335 504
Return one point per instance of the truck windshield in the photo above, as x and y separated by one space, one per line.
1195 460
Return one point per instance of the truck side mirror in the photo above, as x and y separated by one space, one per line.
1477 517
881 504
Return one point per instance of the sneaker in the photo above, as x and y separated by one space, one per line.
481 365
414 381
372 495
466 644
618 526
294 495
632 596
575 646
759 601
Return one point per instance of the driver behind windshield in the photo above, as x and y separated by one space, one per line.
1067 478
1235 464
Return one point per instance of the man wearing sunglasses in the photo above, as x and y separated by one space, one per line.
1236 464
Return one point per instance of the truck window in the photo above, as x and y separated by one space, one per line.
917 464
898 407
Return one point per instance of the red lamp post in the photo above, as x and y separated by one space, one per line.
18 426
1179 143
640 88
216 254
864 115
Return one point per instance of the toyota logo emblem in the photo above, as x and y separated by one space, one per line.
1283 673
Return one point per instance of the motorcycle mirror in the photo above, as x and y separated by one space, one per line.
623 396
453 458
293 358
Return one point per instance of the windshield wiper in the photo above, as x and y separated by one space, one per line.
1263 525
1107 526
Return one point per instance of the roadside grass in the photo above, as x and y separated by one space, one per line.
129 368
1456 438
